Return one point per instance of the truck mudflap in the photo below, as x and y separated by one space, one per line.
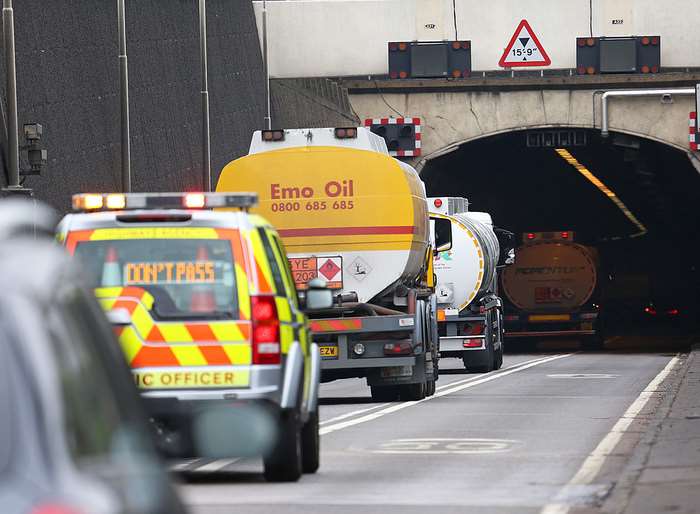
350 346
574 324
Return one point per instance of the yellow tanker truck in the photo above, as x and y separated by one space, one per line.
352 215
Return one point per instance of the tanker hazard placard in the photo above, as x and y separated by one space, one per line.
329 269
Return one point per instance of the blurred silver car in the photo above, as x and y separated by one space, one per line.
73 436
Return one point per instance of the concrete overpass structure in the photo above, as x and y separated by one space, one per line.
474 129
347 39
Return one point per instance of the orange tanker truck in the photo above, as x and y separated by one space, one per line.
551 290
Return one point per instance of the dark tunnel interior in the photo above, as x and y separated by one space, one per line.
529 187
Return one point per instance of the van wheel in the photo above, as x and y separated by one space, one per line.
384 393
412 392
284 463
310 444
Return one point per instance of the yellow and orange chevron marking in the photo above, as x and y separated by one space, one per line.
147 343
336 325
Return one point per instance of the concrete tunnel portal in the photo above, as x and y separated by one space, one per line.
529 186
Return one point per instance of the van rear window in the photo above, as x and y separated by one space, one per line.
186 277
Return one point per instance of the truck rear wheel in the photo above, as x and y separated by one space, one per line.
412 392
311 444
481 364
384 393
593 343
284 463
430 388
498 358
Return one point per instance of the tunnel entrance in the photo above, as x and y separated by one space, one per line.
636 200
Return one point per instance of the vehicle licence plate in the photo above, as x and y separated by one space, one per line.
328 352
396 371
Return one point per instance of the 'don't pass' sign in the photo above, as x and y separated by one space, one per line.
524 49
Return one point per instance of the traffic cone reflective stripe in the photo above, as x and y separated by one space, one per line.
202 299
111 271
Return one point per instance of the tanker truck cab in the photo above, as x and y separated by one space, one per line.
206 313
552 290
351 214
470 315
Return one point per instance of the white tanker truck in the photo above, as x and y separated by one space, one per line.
356 217
470 312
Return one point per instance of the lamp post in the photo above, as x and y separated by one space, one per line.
206 140
268 116
8 27
124 90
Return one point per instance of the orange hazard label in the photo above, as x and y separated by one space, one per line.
305 269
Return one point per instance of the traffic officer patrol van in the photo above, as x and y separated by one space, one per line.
206 312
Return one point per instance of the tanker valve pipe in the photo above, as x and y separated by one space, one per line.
663 93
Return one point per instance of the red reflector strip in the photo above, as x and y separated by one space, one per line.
346 231
473 343
335 325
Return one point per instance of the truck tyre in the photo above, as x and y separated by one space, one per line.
486 363
412 392
593 343
283 464
498 358
430 388
384 393
310 444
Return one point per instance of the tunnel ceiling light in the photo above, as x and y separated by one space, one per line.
566 155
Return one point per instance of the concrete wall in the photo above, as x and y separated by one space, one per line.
326 38
450 119
68 81
302 103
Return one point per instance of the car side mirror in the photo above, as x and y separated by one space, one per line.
506 242
318 296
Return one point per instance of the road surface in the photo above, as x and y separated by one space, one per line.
506 442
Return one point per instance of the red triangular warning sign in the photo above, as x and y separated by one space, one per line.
524 49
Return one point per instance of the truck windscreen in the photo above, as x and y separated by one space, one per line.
186 277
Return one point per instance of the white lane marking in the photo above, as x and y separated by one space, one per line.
583 375
443 446
444 386
351 414
216 465
595 460
404 405
182 465
471 379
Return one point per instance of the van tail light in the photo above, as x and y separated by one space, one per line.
650 310
266 330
